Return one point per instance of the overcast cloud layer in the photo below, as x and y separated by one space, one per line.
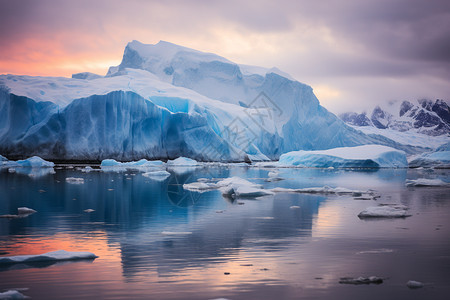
354 53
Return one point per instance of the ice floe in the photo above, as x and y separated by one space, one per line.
58 255
361 280
22 212
414 284
385 211
75 180
143 165
426 182
320 190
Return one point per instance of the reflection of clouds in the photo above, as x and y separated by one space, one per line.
264 225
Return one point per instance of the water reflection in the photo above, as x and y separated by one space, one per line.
267 247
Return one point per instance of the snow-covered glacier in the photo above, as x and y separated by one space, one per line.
165 101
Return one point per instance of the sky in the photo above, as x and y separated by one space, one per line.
354 53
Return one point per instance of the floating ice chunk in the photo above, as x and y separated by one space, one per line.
414 284
200 186
319 190
25 210
426 182
140 165
376 251
75 180
35 162
183 161
294 207
12 295
89 210
157 175
250 192
384 211
367 156
87 169
176 233
361 280
50 256
22 212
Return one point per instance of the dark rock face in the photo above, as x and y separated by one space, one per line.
356 119
428 117
380 118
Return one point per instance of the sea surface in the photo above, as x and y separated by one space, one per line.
155 240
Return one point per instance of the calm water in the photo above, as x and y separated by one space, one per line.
270 250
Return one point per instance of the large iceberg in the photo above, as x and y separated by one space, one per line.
164 101
439 158
367 156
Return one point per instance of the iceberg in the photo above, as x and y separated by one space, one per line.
367 156
440 158
164 101
58 255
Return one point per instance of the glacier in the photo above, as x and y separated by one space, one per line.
164 101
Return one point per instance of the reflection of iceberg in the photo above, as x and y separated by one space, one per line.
34 172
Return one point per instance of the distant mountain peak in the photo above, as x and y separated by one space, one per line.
427 116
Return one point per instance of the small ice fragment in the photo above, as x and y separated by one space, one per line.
361 280
294 207
176 232
414 284
87 169
11 170
75 180
25 211
89 210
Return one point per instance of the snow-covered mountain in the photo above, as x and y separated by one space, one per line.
426 117
165 101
